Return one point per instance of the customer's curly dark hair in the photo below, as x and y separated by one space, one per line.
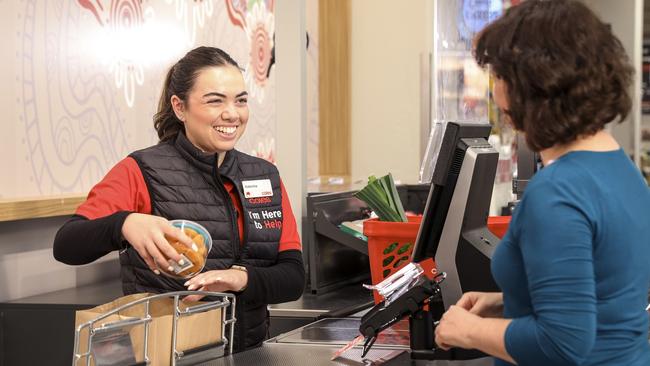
566 74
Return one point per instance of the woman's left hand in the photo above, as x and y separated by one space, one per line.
218 281
455 328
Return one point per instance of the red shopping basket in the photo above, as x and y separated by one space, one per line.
390 245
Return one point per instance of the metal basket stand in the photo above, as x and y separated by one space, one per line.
95 327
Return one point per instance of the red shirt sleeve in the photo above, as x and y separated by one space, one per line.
122 189
290 239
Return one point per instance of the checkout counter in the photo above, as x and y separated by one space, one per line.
453 229
38 330
315 344
45 323
334 306
331 310
333 291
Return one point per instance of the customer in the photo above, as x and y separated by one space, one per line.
195 173
574 266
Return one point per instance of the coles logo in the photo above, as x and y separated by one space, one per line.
259 200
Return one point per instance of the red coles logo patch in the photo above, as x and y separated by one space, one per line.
259 200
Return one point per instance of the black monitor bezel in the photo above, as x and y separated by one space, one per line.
443 183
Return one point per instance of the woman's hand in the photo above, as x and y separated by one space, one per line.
483 304
455 328
457 324
146 234
218 281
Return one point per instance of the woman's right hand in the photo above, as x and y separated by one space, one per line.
484 304
146 234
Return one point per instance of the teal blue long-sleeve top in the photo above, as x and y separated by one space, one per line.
574 266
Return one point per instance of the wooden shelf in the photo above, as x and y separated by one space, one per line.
29 208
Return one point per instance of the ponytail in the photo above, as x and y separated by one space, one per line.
165 121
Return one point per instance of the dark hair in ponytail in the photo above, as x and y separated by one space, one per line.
179 81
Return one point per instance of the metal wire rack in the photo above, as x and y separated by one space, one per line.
97 327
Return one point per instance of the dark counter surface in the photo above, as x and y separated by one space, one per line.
48 319
315 344
341 302
338 303
82 296
316 355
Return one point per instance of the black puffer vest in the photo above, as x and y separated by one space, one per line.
184 183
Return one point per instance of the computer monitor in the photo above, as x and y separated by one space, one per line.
454 226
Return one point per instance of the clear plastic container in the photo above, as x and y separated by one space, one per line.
193 258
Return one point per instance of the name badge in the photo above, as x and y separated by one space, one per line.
257 188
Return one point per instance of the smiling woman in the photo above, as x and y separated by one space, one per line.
196 174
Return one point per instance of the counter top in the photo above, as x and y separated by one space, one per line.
316 355
315 344
339 303
82 296
24 318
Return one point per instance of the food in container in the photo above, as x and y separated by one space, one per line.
194 257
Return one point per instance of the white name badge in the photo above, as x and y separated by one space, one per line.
257 188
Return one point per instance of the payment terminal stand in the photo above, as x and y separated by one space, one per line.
454 232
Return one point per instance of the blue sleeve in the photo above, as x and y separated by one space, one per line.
555 239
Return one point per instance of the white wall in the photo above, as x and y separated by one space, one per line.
311 26
28 268
291 101
387 40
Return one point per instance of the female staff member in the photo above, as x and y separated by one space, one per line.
573 266
195 173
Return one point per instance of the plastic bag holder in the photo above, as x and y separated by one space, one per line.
422 303
410 303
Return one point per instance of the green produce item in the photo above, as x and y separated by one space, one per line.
381 195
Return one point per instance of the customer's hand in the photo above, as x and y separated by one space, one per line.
455 328
146 234
484 304
218 281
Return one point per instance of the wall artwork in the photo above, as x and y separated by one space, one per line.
84 77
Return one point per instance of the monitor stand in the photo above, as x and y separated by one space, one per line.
465 244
